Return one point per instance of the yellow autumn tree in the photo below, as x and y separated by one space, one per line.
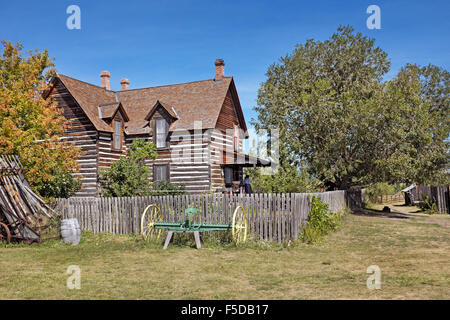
31 126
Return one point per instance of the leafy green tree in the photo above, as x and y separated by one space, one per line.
335 114
435 89
30 126
375 191
413 129
129 176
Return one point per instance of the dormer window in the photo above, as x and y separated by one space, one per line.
117 139
161 133
159 118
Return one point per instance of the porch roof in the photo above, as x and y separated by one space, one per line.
245 160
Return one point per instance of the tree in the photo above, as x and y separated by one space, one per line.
31 126
129 176
417 127
335 114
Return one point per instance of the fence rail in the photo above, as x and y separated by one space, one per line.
273 217
390 198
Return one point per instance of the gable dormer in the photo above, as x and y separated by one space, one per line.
115 116
109 111
160 118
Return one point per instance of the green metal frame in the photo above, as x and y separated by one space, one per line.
188 224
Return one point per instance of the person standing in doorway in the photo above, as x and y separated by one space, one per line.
247 185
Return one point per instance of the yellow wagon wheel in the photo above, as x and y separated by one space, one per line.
239 226
151 215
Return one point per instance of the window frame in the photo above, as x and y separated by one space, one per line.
155 171
236 138
156 133
114 135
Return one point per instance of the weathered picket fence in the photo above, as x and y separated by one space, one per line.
390 198
438 195
273 217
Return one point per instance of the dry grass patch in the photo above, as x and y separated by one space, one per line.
413 257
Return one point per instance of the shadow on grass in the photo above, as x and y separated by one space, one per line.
406 206
382 214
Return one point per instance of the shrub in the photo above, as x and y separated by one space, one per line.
287 179
321 221
129 176
164 188
62 185
428 206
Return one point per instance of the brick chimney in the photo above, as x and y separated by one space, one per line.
124 84
220 69
105 76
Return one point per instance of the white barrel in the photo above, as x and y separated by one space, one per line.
70 231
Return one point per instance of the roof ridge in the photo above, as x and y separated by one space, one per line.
174 84
165 85
108 104
93 85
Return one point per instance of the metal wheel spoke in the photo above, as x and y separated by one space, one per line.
151 215
239 225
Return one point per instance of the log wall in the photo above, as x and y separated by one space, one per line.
194 161
83 133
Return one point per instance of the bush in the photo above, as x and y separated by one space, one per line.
287 179
321 221
428 206
129 176
164 188
61 185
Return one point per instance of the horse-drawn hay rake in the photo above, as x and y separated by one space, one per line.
152 225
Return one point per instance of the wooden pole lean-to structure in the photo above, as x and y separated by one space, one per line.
23 215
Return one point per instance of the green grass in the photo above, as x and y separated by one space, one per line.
413 255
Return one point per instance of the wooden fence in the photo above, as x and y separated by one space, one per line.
273 217
438 195
390 198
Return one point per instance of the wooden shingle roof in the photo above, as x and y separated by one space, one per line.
170 110
109 110
89 97
192 101
189 102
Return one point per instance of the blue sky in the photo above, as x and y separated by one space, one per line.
162 42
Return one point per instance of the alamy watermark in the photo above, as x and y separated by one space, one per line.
74 280
229 147
374 280
374 20
74 20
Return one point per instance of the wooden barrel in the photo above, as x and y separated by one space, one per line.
70 231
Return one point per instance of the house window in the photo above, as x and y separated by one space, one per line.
161 173
161 133
228 175
236 138
117 143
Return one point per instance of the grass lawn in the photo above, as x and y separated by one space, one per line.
413 254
